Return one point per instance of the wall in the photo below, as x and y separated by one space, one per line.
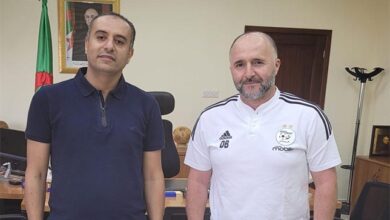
182 47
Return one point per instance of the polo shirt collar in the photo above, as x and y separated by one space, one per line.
263 107
87 89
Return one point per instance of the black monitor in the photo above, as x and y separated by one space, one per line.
13 147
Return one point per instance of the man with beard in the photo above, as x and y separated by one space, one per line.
255 150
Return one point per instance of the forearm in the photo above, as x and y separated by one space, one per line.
325 199
35 184
196 201
35 194
155 199
324 204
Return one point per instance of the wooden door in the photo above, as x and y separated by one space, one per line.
304 55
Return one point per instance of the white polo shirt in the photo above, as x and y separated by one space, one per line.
260 159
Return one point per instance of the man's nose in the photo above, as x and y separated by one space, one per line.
109 45
249 72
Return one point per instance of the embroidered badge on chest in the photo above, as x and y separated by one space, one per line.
286 135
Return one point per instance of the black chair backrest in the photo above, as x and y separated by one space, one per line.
13 146
373 202
169 156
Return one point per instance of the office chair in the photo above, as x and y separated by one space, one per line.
169 155
13 146
373 202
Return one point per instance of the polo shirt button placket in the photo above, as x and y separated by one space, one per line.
253 125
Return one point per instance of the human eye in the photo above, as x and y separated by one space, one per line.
257 62
100 37
120 42
239 65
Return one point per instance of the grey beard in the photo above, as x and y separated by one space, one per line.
264 87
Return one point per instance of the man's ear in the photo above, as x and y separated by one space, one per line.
130 55
277 65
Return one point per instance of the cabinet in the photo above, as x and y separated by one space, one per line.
369 169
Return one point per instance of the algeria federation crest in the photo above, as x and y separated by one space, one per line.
285 136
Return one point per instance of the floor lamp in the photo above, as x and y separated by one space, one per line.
359 74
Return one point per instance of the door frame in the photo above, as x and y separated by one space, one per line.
327 34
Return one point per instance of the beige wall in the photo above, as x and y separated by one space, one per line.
182 47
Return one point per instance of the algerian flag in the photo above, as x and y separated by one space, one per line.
44 68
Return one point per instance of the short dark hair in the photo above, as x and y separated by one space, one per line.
132 28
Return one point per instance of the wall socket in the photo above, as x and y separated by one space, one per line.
210 94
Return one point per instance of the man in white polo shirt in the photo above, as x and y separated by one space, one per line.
255 150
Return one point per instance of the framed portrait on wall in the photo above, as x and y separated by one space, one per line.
380 141
74 18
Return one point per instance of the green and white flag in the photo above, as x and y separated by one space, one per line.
44 68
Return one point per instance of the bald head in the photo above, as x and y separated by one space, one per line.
254 65
90 14
256 35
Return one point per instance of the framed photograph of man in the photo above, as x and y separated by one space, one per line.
380 141
74 18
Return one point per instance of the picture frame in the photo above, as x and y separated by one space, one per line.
74 17
380 141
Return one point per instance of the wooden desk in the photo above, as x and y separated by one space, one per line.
177 202
8 191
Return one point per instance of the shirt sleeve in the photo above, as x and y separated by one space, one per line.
154 139
322 151
38 119
198 154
